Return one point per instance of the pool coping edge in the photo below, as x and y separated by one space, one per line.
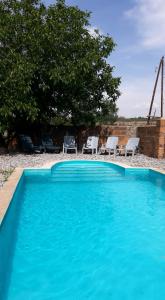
8 190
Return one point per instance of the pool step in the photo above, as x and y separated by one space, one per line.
84 176
85 172
69 168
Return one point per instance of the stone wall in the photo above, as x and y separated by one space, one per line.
152 139
124 132
161 139
148 140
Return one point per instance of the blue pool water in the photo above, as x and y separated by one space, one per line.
85 230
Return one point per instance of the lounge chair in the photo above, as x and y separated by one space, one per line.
91 144
132 146
69 144
47 142
111 145
28 146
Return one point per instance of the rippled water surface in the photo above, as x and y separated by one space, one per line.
85 232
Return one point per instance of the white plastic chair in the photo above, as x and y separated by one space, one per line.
91 144
111 145
132 146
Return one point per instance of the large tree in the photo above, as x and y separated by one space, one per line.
52 66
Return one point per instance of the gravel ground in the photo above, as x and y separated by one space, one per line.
9 162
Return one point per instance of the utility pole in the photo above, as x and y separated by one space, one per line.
162 86
161 68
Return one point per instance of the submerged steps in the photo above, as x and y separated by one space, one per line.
85 172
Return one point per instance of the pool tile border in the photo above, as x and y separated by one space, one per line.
9 187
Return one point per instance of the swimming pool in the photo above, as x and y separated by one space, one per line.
85 230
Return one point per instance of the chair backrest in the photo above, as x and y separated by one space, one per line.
26 142
69 141
27 139
112 142
47 141
92 142
132 143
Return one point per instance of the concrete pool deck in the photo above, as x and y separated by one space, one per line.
9 187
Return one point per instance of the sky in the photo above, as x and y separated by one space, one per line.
138 29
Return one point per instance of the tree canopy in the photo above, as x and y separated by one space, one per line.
51 66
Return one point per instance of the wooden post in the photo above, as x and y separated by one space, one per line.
162 90
154 91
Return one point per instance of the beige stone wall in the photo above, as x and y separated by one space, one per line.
152 139
81 133
160 149
123 132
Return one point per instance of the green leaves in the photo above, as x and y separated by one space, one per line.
51 66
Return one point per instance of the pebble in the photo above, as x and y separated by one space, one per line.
8 162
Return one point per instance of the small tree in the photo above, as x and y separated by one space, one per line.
51 66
